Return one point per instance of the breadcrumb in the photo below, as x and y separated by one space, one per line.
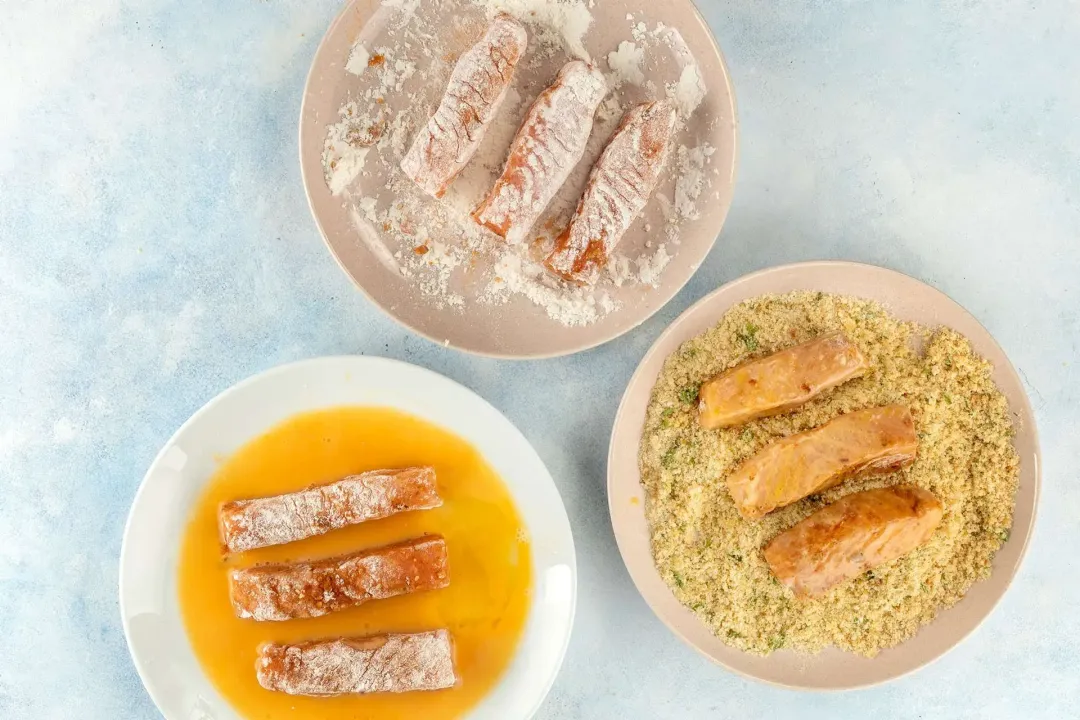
712 558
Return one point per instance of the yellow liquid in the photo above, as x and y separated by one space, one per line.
484 607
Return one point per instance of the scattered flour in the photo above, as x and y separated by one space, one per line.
515 274
441 259
346 163
649 268
434 246
367 206
406 10
689 91
347 145
691 179
358 60
568 20
625 64
618 270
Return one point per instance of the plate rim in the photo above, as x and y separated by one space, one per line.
122 560
1026 411
307 182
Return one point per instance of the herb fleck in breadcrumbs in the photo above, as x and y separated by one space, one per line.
748 336
966 459
689 394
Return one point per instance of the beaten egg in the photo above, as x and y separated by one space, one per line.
485 606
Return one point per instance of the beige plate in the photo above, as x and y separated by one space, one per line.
832 669
519 328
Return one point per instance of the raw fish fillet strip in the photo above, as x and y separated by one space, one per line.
473 96
381 663
549 143
618 188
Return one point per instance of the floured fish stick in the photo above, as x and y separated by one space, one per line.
311 589
549 143
852 535
779 382
256 523
878 440
381 663
473 96
618 188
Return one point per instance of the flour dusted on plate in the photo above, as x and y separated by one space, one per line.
625 63
347 145
689 91
364 122
358 59
556 22
515 274
397 73
692 179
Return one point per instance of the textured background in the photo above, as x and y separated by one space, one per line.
156 247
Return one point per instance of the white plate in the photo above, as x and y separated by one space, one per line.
519 328
149 603
831 669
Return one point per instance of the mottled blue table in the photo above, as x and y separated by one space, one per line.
156 247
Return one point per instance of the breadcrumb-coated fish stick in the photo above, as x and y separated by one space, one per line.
852 535
549 143
342 666
259 522
878 440
310 589
473 96
618 188
779 382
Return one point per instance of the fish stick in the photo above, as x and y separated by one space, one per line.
618 188
854 534
874 441
279 519
473 96
312 589
341 666
549 143
779 382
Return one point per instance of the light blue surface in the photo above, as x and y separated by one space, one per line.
156 247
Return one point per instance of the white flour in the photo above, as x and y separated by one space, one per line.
689 91
358 60
691 179
562 21
625 64
347 145
515 274
433 244
649 268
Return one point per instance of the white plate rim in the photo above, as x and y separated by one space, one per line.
540 690
673 329
729 86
